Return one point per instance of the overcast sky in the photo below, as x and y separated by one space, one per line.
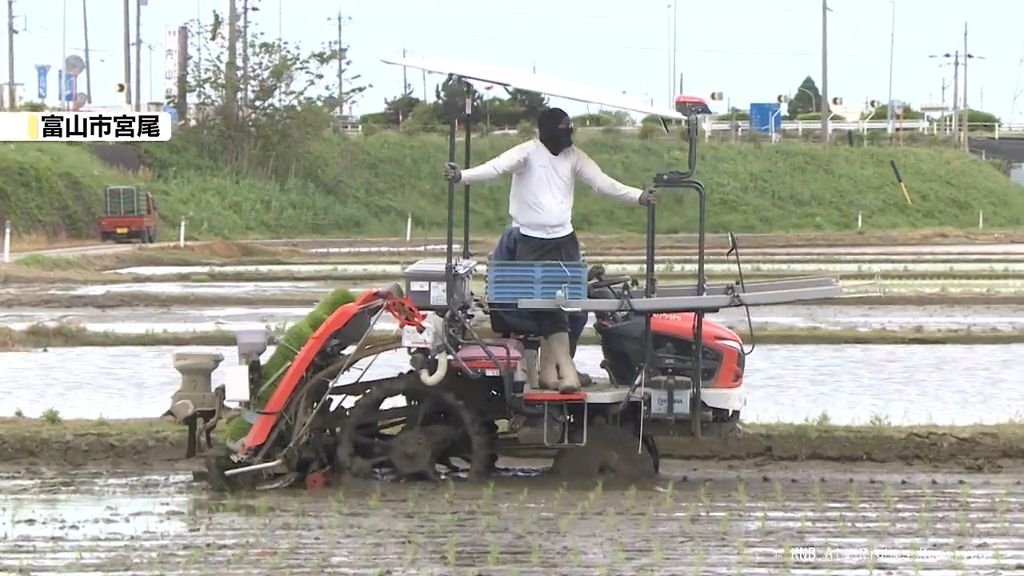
751 50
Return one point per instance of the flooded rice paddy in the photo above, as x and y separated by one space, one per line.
693 519
853 384
637 267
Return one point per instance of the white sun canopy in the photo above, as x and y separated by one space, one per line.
486 74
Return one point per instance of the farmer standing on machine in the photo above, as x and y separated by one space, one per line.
544 171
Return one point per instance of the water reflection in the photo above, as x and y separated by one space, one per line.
947 384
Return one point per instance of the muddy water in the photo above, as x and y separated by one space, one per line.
634 268
907 384
275 287
183 319
688 521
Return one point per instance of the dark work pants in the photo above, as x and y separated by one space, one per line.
564 249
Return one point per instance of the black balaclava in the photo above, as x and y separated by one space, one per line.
555 139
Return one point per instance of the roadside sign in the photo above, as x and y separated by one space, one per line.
765 117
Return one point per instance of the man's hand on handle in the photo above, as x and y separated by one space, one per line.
452 173
646 198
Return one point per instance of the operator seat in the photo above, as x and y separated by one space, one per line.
521 325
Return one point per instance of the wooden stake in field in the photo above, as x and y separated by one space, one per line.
903 185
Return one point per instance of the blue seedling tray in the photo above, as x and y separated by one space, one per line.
510 281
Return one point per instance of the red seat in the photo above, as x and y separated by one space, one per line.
554 397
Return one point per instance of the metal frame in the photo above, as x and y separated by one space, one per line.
698 299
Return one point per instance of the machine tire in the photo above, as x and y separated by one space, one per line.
349 462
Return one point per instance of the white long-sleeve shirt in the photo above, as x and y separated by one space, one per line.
541 197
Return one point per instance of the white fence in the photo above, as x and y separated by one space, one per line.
863 126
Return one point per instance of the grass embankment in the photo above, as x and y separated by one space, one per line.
57 335
369 185
51 441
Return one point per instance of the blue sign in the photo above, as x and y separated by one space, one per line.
173 111
42 70
765 117
67 84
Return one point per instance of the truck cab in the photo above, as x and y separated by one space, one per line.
128 214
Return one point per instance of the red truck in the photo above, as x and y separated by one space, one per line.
129 213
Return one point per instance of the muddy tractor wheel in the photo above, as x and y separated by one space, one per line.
410 441
610 452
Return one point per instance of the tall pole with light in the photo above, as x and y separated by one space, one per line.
824 71
892 45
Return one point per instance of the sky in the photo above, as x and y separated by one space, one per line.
751 50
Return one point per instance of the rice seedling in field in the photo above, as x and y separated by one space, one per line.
723 523
890 497
924 524
493 553
534 551
854 496
780 497
704 498
523 495
574 553
645 522
657 554
698 561
816 492
762 523
631 496
741 494
450 550
559 494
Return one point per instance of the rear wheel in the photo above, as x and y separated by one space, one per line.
410 441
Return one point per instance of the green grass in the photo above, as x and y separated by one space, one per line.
70 335
365 186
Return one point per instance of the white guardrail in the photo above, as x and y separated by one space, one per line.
924 126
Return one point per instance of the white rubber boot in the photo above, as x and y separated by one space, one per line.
559 344
548 377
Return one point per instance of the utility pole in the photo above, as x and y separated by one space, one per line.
824 71
138 55
88 68
956 93
675 36
966 109
127 57
10 56
892 45
245 57
341 70
231 66
405 79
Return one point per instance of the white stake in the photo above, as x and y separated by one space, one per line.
860 220
181 233
981 219
7 242
408 228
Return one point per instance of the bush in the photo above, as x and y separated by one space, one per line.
648 131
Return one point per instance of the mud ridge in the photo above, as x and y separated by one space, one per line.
160 442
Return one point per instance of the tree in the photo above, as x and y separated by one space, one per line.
291 97
399 109
450 95
532 103
807 99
